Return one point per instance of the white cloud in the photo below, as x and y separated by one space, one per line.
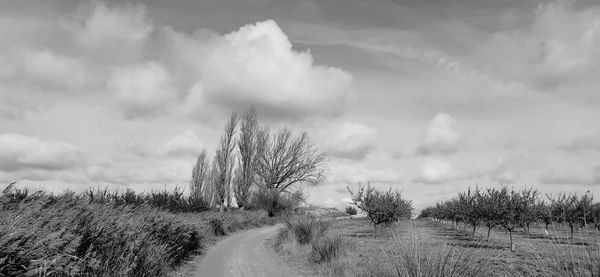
49 70
434 171
573 175
21 152
256 65
111 33
186 144
163 172
562 45
358 173
351 141
143 90
441 136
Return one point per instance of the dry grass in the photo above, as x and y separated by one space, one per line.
426 248
95 235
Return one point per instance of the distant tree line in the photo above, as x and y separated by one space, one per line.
511 209
255 167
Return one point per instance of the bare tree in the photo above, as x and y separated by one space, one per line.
247 145
199 175
223 159
285 159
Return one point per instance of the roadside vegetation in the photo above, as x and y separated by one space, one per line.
255 174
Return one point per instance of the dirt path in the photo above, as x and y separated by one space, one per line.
244 254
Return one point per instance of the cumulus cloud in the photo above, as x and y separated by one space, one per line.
434 171
590 142
257 65
186 144
142 90
568 176
352 141
22 152
441 136
111 33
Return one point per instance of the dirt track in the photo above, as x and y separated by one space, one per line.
244 254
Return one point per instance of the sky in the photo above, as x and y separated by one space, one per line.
428 97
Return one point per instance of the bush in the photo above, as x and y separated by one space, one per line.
277 203
216 225
351 210
306 228
326 248
381 207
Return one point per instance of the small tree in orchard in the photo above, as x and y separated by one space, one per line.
529 199
381 207
584 207
543 213
516 209
490 207
470 208
567 208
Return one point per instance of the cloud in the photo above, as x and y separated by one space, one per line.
142 90
568 176
21 152
357 173
49 70
562 45
186 144
589 142
353 141
434 171
116 33
441 136
163 172
256 65
507 169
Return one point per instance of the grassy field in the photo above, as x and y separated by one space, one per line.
103 234
428 248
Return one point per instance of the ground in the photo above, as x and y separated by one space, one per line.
370 253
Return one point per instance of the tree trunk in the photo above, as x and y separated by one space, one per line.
489 231
474 229
512 245
527 228
571 225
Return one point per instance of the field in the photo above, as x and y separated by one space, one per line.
424 247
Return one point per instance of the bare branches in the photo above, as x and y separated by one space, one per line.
285 160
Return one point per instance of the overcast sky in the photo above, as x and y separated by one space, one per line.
428 96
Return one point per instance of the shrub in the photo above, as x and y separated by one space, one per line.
275 202
216 225
381 207
326 248
305 228
351 210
